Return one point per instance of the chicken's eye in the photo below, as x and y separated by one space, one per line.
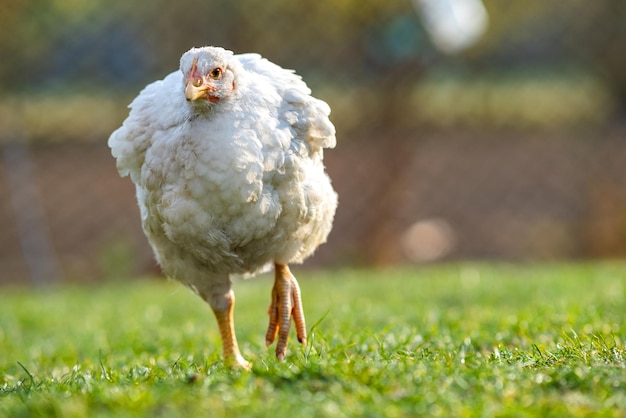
197 82
216 73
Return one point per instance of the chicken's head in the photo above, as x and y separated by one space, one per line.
209 74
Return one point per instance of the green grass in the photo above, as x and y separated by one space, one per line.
451 340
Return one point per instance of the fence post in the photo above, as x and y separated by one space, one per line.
29 213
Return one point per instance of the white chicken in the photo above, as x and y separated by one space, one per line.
226 155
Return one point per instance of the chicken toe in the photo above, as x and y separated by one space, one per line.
286 303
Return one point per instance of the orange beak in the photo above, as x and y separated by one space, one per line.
196 85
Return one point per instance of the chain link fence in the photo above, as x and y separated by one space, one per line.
467 129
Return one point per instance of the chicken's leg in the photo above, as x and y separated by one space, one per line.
223 307
286 302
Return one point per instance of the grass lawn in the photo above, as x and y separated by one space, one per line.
450 340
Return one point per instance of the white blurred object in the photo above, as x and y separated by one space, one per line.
428 240
453 25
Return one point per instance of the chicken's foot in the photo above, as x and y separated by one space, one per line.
286 302
225 321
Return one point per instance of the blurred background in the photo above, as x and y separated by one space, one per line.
467 129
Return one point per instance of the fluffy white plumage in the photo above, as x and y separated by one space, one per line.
226 155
